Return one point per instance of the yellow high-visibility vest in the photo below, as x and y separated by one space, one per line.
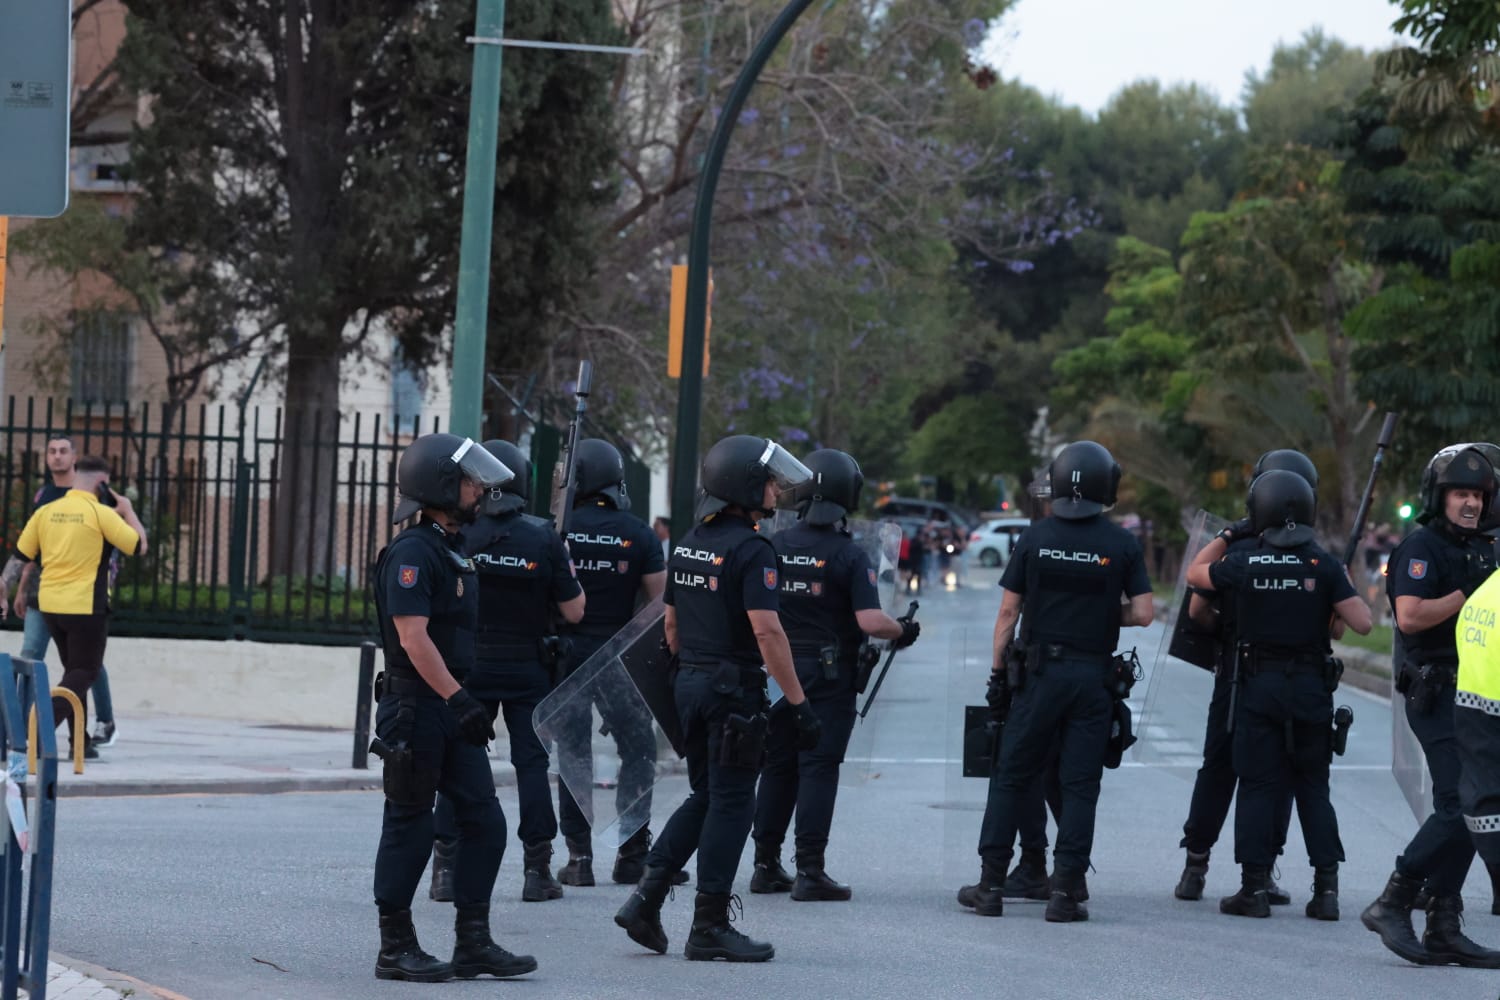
1479 649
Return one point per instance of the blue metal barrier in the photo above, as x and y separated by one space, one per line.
20 680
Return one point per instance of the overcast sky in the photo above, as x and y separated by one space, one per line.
1085 50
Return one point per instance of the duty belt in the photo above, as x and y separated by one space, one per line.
409 685
750 675
507 649
1254 660
1040 652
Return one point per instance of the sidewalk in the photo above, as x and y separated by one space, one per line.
177 755
64 983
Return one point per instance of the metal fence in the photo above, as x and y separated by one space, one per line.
232 553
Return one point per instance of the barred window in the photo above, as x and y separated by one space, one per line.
407 389
101 359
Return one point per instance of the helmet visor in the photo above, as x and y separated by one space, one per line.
784 467
479 466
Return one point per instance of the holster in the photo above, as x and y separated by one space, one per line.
1015 667
1424 684
552 651
405 783
1333 672
743 742
828 662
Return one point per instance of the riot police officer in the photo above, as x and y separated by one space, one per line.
524 574
828 605
1431 574
722 624
1069 573
1213 788
619 562
1285 591
430 731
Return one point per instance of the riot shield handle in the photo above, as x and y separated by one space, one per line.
911 614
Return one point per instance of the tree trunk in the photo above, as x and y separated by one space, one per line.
306 502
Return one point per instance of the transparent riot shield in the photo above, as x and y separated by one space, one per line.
881 543
969 654
1179 681
604 723
1408 763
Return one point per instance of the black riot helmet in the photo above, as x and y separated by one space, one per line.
1458 466
736 470
1289 459
510 496
600 471
433 466
832 493
1282 507
1085 480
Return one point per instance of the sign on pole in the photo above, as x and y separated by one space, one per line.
36 77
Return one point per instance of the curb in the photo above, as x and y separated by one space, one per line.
120 982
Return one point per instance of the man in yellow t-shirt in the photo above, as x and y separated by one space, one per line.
73 536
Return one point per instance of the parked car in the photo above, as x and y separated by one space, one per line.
902 508
992 541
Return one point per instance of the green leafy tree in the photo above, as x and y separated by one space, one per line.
1447 88
1434 344
1266 287
300 179
1298 98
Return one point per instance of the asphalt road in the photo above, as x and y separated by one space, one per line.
228 897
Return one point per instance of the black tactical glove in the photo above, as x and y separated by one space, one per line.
473 721
1240 529
997 695
909 632
809 728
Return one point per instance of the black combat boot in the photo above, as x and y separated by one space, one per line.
1028 879
540 886
987 896
1324 904
476 954
441 887
712 937
1445 941
401 957
1251 900
769 875
1390 917
1194 875
813 882
641 914
1069 891
580 867
630 862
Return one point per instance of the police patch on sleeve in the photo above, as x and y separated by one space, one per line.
407 577
871 571
1416 568
769 579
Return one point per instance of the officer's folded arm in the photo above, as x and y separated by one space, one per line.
776 652
1197 574
1355 613
572 609
1418 614
1138 611
412 630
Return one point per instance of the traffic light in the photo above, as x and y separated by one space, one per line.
1404 511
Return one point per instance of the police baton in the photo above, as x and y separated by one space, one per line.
911 613
1387 431
567 486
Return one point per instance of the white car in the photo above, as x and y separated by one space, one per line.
991 542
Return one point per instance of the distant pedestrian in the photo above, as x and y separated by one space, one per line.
35 638
663 528
74 536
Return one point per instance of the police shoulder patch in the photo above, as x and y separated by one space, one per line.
871 571
1416 568
407 576
770 579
